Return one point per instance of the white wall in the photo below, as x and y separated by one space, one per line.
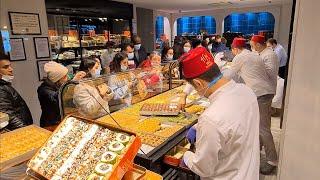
281 13
300 146
284 27
26 74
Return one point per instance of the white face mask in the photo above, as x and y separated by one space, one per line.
210 47
96 73
137 47
169 57
186 49
130 55
7 78
124 68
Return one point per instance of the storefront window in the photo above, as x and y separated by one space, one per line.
249 23
196 25
159 26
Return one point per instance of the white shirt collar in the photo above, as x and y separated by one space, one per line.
229 85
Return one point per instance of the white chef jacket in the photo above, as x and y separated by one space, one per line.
251 69
277 99
89 102
271 62
282 55
227 146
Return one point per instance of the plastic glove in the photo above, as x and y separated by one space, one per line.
191 135
182 163
218 59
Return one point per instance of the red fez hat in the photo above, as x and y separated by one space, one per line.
258 39
196 62
238 42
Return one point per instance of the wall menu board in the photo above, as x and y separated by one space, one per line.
25 23
41 45
17 52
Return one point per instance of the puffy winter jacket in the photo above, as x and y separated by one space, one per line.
48 94
12 103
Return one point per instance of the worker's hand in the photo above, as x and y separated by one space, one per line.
191 135
182 100
79 76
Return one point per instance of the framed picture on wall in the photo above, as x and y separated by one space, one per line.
24 23
41 46
17 50
40 66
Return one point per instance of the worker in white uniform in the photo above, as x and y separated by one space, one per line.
271 63
281 53
250 68
227 133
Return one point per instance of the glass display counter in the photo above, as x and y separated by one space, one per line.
131 91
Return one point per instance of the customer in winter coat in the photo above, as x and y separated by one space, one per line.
11 102
92 100
48 92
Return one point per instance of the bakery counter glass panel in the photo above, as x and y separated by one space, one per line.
94 97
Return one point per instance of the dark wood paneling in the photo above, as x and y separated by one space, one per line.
145 28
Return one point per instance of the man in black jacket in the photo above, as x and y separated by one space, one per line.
11 102
140 53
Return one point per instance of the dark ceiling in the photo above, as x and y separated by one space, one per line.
90 8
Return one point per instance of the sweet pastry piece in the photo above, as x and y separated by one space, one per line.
95 176
160 109
150 139
124 139
116 147
150 125
103 169
179 155
168 131
109 157
194 109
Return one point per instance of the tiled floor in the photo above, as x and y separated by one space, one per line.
276 132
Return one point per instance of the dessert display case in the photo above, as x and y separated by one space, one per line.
72 38
158 134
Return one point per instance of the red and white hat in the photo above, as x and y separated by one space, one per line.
238 42
196 62
258 39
